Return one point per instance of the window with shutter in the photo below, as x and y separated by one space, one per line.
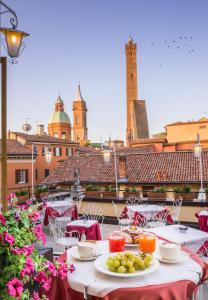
60 151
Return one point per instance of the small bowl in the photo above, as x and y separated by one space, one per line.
183 228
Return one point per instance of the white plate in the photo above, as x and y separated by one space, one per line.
74 252
100 265
182 258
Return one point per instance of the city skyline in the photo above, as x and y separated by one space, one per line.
90 49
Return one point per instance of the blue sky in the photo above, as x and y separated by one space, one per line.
83 41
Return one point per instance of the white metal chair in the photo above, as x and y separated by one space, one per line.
78 202
122 219
176 210
93 212
65 218
62 237
134 200
160 218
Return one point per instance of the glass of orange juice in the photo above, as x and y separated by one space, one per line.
147 242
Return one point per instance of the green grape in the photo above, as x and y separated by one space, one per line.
148 260
112 269
132 270
121 269
116 263
116 257
123 262
129 263
109 262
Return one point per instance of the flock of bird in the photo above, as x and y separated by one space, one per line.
181 43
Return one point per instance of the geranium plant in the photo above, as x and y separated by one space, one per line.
20 263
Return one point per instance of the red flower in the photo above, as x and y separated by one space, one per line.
15 288
39 233
62 270
52 268
34 216
9 238
28 267
44 280
2 220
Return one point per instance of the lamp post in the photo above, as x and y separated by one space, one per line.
198 155
107 157
14 47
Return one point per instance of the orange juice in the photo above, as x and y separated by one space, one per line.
147 242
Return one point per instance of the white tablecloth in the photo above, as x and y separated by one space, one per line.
83 223
148 210
203 213
192 238
101 284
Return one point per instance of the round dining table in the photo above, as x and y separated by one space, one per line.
168 282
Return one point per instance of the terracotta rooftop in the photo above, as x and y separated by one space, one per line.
163 167
29 138
14 148
200 121
149 141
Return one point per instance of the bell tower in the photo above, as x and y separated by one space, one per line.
137 124
79 118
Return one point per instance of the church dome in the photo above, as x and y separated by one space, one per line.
59 115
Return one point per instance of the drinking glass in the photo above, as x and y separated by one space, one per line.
116 243
147 242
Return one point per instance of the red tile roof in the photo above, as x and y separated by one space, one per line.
14 148
30 138
173 167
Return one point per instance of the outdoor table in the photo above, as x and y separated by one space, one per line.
169 281
58 209
89 228
196 240
148 212
203 220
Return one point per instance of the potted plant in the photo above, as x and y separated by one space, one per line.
92 191
187 194
130 192
159 193
41 192
22 195
110 192
21 267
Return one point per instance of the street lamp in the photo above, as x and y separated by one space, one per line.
198 155
107 157
14 43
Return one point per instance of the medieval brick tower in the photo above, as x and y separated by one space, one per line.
79 118
137 123
59 124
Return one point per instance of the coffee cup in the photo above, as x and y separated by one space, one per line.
170 251
86 249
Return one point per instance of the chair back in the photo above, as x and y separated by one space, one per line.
93 212
134 200
177 208
78 202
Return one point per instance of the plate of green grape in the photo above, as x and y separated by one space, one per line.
126 264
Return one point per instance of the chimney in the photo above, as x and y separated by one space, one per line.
40 130
122 167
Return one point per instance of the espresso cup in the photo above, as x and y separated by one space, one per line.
86 249
170 251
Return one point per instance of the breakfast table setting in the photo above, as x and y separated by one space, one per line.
149 268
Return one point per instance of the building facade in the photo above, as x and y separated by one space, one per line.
60 150
59 125
137 123
79 119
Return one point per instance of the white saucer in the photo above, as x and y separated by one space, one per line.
182 258
74 252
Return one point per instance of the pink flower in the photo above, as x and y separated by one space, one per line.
71 268
17 216
2 220
35 296
44 280
16 251
9 238
34 216
62 270
28 250
52 268
28 267
15 288
40 236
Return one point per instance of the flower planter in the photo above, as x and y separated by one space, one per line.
43 195
186 196
95 194
129 194
156 196
108 194
22 199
